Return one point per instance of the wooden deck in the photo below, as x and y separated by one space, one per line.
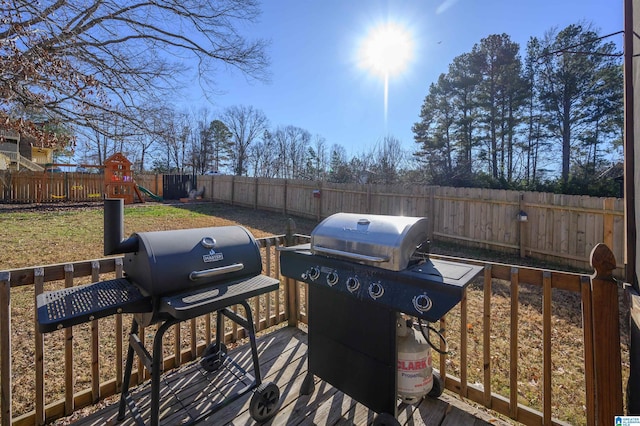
190 390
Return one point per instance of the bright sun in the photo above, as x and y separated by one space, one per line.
386 50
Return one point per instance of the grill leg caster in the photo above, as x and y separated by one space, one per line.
385 419
265 402
308 385
438 386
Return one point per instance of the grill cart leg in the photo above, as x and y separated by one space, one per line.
385 419
308 385
125 397
265 401
252 339
247 324
156 370
155 366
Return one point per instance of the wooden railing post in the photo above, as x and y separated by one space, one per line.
633 384
293 302
69 375
606 336
5 349
38 278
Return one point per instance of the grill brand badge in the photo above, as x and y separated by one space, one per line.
212 256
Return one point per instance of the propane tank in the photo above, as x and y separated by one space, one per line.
415 370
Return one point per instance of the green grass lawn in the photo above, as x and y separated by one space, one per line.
59 235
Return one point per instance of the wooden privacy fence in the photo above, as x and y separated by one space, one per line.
562 229
83 363
557 228
34 187
39 187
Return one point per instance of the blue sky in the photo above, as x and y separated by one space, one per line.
318 84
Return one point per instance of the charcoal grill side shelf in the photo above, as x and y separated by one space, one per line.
76 305
184 307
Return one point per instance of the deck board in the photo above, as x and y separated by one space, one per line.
190 390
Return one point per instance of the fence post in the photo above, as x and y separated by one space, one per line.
608 220
319 201
284 202
255 194
233 188
606 336
523 221
5 349
293 304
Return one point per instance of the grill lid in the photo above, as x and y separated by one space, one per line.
388 242
170 262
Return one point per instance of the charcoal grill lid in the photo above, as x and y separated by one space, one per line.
75 305
199 302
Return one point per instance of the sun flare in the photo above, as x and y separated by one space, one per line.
386 50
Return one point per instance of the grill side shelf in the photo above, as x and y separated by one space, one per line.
199 302
76 305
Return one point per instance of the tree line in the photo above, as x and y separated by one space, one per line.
496 119
94 76
551 121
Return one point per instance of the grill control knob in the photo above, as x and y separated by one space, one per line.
332 278
353 284
314 273
376 290
422 303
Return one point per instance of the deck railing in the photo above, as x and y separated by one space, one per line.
83 364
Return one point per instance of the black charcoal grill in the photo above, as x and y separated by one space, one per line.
362 271
172 276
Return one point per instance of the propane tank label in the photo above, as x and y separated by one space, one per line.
415 375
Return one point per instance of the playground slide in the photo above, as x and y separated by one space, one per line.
150 194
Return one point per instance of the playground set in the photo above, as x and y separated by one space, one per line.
118 180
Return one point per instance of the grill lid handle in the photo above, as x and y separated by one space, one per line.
349 255
208 273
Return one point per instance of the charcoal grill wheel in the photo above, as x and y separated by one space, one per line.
212 357
438 386
385 419
265 402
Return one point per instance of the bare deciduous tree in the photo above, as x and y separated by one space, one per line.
69 60
246 125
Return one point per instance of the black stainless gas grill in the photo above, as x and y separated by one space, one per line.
172 276
363 270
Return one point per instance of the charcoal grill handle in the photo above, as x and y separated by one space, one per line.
208 273
354 256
